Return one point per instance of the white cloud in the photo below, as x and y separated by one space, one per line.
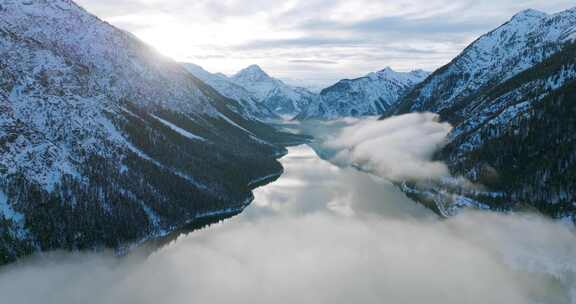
398 148
320 259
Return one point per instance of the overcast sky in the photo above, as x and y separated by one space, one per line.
313 40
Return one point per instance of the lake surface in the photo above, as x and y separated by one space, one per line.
324 234
311 185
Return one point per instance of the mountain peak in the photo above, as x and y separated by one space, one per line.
420 73
252 73
387 69
400 77
254 68
387 72
529 14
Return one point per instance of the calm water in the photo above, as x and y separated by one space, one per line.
311 185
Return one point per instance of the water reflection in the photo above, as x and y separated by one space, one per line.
312 185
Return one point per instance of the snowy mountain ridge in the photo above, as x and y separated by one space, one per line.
410 78
370 95
253 106
274 93
526 40
509 97
262 95
257 91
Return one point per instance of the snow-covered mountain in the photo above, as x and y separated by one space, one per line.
510 97
279 97
266 97
105 143
314 86
366 96
527 39
253 106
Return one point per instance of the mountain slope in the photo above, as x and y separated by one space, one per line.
513 114
274 94
226 87
521 139
116 142
366 96
526 40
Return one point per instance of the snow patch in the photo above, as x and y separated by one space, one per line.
179 130
228 120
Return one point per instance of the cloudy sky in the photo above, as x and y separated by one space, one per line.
318 41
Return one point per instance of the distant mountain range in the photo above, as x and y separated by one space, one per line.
252 104
510 96
371 95
267 97
263 96
276 95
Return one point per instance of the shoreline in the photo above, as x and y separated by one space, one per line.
152 243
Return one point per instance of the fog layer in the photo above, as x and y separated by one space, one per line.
323 234
397 148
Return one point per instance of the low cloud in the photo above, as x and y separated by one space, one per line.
398 148
321 259
322 234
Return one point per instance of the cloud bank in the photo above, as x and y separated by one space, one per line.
398 148
322 259
294 246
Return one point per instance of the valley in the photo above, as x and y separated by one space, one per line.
127 176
